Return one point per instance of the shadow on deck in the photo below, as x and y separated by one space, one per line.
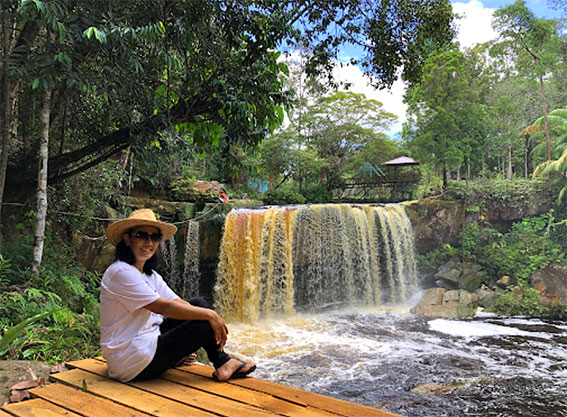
185 391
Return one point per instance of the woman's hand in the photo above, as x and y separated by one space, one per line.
220 329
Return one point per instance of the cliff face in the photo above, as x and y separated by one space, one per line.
435 223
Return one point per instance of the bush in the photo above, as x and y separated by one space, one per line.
283 196
522 300
72 331
494 192
317 194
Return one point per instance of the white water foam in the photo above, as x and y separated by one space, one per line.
479 329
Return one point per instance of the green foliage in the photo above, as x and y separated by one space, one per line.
13 332
316 194
69 333
520 300
183 189
494 192
282 196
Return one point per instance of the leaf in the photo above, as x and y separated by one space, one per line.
100 35
88 33
14 331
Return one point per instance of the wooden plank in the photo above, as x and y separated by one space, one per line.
83 403
333 405
5 413
286 393
236 393
248 396
126 395
36 407
189 394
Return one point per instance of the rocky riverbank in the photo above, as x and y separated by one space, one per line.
458 289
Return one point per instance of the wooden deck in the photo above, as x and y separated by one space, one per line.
185 391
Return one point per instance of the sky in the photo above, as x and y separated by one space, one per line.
474 27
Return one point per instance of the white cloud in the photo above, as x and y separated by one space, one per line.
474 26
391 99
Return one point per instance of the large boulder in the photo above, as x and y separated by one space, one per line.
439 302
435 223
551 282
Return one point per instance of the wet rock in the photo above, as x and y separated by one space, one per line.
551 282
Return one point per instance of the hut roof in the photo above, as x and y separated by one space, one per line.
402 160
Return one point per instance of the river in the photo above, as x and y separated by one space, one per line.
415 366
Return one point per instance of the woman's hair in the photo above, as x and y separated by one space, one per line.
124 253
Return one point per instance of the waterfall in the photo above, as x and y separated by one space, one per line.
191 275
186 283
170 270
281 259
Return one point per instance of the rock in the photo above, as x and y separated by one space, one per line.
435 223
209 187
438 302
551 282
504 282
472 281
486 296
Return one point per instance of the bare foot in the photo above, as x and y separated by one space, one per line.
226 371
188 360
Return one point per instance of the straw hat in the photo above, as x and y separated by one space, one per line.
142 217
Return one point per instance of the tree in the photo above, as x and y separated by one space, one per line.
210 62
341 125
522 31
555 169
448 122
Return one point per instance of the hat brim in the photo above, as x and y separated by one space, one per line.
116 230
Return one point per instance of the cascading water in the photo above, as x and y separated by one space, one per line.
191 275
278 260
171 269
185 284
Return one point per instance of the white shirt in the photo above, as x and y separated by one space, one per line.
129 332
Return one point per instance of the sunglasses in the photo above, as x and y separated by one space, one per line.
154 237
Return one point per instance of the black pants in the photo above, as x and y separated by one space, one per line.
180 338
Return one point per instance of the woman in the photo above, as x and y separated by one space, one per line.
136 341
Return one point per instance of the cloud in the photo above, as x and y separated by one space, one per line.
391 99
474 26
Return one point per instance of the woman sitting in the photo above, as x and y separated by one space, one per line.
136 341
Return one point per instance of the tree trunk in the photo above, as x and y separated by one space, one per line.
545 124
6 99
42 182
526 155
509 164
